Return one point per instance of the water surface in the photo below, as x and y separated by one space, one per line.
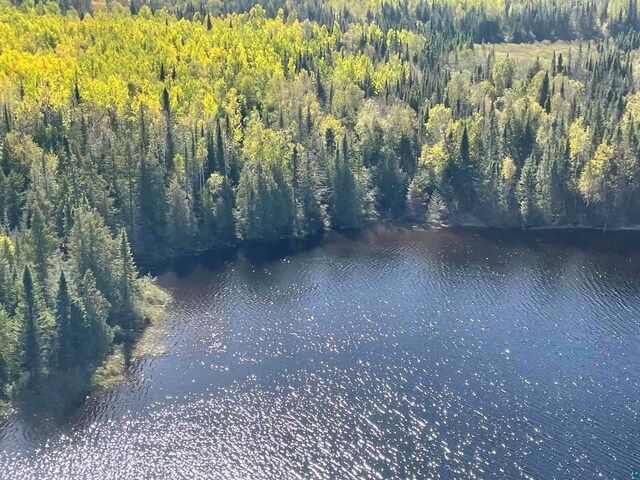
386 354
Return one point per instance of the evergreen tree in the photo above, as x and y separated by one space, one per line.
71 328
311 216
95 334
127 281
152 210
461 174
543 94
7 345
42 245
526 192
180 219
63 319
346 205
218 212
91 247
28 312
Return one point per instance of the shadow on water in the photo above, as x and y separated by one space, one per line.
183 265
55 400
62 396
256 253
506 343
261 253
594 240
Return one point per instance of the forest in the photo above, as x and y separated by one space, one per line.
132 133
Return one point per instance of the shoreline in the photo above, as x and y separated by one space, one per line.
479 225
113 370
228 250
550 228
68 391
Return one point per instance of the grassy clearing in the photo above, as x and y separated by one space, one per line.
528 52
150 342
111 372
152 308
524 54
153 299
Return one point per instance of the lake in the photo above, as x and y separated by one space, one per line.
382 354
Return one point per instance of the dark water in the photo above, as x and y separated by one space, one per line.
385 355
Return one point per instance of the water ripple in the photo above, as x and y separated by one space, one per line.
394 355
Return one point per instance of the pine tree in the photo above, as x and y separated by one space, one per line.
218 212
169 144
76 92
437 210
30 336
127 280
391 183
66 332
461 174
6 351
416 206
151 202
220 156
311 214
210 164
180 219
42 245
346 202
464 147
543 94
95 334
91 247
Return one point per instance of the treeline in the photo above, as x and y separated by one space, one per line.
155 135
474 20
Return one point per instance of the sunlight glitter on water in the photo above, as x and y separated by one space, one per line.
392 355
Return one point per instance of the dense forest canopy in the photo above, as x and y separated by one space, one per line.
150 130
